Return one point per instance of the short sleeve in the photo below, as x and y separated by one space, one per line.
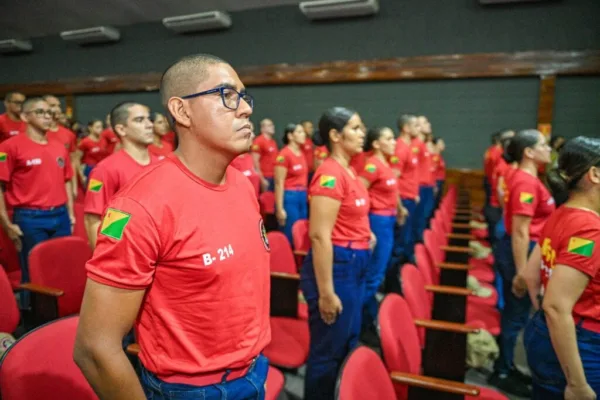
82 145
68 168
72 142
523 199
282 161
255 148
6 162
328 184
128 246
370 172
99 190
581 250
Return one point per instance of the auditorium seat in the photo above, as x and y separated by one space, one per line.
301 240
267 210
9 258
9 310
40 365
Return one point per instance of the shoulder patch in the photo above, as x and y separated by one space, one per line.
370 168
280 159
526 198
327 181
580 246
95 185
2 156
114 223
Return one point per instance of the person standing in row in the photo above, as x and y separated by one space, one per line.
160 148
91 150
291 180
386 210
333 272
133 125
439 167
528 207
37 175
426 181
264 150
562 339
245 164
308 148
110 140
11 123
188 266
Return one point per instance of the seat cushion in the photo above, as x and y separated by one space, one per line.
289 342
483 274
489 316
491 301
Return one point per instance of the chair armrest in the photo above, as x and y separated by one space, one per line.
461 226
285 275
438 325
441 385
300 252
456 249
40 289
455 290
465 236
462 217
133 349
454 266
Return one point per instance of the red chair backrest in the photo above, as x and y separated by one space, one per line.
60 263
413 289
282 256
399 340
40 365
79 228
267 203
363 376
9 311
300 235
9 258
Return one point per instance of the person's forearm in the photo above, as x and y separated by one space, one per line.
4 219
69 190
322 249
564 341
110 374
279 195
520 248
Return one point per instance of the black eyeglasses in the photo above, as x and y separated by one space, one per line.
229 96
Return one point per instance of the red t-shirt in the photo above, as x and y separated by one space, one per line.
424 171
267 149
64 136
34 173
201 253
529 197
109 140
499 171
383 189
352 223
297 170
359 160
93 152
321 153
169 137
492 155
439 167
160 152
406 161
245 164
9 128
308 150
571 237
109 176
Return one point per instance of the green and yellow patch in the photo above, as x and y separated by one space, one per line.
95 185
280 159
526 198
114 223
370 168
580 246
327 181
2 156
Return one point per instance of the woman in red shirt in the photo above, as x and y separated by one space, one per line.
92 149
528 206
563 338
291 179
380 180
159 147
333 273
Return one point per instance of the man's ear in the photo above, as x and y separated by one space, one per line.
179 111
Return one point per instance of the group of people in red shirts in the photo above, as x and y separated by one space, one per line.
532 241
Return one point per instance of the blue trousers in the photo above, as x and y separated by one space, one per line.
404 241
250 386
499 232
271 181
440 188
487 188
516 311
295 203
548 378
330 344
383 228
87 170
423 211
38 226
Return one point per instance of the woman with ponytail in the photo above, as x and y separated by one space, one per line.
527 207
563 277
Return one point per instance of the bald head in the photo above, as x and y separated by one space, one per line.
187 73
31 103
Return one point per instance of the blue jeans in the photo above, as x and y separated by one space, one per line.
404 241
38 226
516 310
250 386
440 188
296 206
330 344
383 228
548 378
487 188
423 211
499 232
87 170
271 181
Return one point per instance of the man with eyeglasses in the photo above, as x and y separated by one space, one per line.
11 123
131 122
36 173
182 255
265 150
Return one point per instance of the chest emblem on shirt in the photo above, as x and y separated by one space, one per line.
60 161
580 246
263 234
526 198
95 185
114 223
327 181
370 168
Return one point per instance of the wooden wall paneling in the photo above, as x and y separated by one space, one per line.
453 66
